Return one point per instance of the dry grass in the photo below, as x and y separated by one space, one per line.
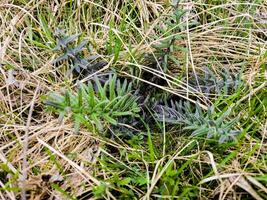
38 152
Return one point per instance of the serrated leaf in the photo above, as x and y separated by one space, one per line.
70 39
125 181
112 85
80 97
93 57
80 47
61 58
97 121
200 131
222 139
54 104
91 95
77 122
67 98
109 119
100 90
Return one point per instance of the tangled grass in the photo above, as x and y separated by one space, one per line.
165 56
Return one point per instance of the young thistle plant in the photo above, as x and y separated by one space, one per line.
96 105
73 54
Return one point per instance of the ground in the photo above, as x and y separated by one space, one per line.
178 110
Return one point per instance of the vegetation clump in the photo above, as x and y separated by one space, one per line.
94 104
72 54
133 99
